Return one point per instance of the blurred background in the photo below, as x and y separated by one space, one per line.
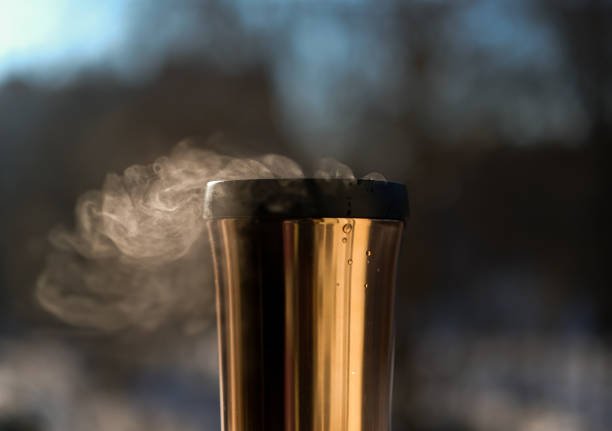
496 113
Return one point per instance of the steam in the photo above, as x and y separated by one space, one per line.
331 168
137 256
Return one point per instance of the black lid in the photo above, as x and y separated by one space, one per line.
305 198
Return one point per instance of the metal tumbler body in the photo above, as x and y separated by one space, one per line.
305 312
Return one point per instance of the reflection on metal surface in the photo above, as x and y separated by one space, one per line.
305 322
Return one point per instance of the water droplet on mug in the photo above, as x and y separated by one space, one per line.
347 228
365 285
350 261
377 269
369 253
344 240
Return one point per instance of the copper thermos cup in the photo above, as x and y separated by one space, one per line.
304 275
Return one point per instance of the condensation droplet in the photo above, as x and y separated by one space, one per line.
344 240
350 261
353 372
377 269
369 253
365 285
347 228
368 261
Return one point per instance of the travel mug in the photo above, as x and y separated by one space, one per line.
304 275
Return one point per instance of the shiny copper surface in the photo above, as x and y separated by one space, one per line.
305 310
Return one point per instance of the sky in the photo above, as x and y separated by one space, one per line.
51 39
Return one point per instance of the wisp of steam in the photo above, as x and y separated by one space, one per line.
138 257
